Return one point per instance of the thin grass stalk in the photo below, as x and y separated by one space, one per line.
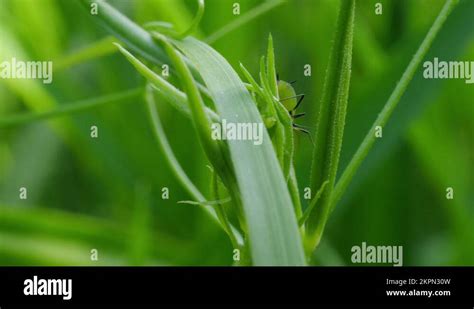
178 171
392 103
165 148
68 109
243 19
331 121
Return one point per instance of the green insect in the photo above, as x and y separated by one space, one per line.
291 101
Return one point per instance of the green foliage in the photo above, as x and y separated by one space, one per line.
331 120
392 102
272 228
106 193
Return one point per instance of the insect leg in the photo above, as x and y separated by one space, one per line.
298 128
299 101
298 115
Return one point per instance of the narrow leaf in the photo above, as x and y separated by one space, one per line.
273 229
195 22
392 102
331 119
167 91
308 210
243 19
165 147
71 108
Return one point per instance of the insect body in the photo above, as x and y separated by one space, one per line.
287 97
291 101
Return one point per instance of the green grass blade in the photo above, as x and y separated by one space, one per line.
255 87
167 91
110 235
180 174
331 120
135 37
195 23
273 229
392 102
220 211
95 50
56 223
202 122
275 240
420 96
294 192
34 250
242 20
271 74
310 207
140 226
165 147
71 108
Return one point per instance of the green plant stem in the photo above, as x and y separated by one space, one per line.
273 234
178 171
271 70
221 214
136 38
311 205
294 192
243 19
71 108
104 46
195 22
392 102
167 91
215 151
144 44
331 121
201 121
95 50
256 181
165 148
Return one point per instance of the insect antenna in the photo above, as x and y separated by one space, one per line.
293 97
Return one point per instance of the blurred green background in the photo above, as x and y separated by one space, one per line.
105 193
